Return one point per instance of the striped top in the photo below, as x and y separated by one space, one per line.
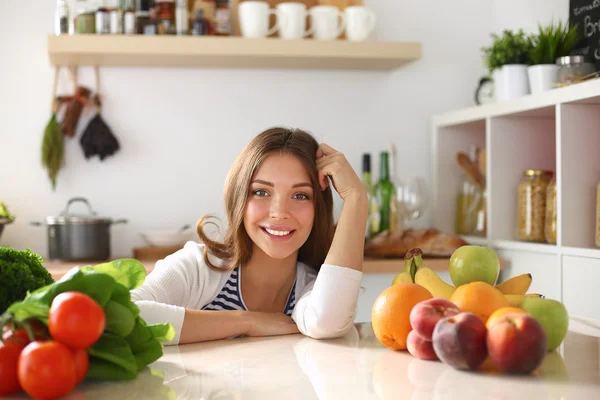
230 296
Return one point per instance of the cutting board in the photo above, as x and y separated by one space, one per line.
341 4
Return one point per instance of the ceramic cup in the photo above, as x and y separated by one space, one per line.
292 24
254 19
327 22
360 23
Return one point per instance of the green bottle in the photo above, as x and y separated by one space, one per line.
385 194
372 219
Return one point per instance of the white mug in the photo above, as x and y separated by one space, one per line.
254 19
292 24
327 22
360 23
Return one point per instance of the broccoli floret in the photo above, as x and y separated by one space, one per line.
20 272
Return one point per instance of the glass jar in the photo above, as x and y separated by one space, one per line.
166 9
573 68
550 225
531 205
85 18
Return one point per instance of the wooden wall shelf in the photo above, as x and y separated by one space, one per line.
228 52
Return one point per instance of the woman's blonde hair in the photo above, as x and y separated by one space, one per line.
236 248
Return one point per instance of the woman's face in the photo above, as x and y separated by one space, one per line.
279 211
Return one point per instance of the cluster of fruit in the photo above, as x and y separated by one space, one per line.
464 324
48 362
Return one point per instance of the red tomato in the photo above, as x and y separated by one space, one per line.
9 358
76 320
82 363
40 332
46 370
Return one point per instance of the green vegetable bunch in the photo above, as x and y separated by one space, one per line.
127 344
508 48
20 272
553 41
4 213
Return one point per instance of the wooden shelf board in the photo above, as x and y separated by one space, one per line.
228 52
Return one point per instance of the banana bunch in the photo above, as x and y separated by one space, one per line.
416 272
514 289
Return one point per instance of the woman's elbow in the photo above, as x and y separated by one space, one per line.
327 328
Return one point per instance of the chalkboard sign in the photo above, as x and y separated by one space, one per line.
586 13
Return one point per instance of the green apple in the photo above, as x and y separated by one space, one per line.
474 263
553 316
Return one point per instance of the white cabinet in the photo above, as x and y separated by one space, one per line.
557 130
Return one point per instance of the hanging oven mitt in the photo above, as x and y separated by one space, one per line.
97 138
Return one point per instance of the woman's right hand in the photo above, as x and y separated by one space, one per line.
270 324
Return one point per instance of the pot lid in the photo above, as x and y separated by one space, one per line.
67 217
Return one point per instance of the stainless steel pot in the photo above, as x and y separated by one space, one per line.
79 237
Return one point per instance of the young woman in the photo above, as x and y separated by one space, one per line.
280 268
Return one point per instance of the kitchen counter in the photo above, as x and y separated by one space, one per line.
353 367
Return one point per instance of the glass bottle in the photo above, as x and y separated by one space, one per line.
470 200
200 24
61 18
102 19
129 17
385 195
182 18
531 205
222 18
373 216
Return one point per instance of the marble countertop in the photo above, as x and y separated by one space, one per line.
353 367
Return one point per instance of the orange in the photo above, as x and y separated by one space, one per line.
390 315
502 311
479 298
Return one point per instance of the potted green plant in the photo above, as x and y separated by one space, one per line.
506 60
551 42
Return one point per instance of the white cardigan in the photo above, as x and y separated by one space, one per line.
326 303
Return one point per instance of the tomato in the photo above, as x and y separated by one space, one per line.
46 370
82 363
76 320
9 357
39 330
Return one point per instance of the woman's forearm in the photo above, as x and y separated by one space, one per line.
202 325
347 248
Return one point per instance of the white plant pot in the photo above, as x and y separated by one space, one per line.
497 78
542 77
514 81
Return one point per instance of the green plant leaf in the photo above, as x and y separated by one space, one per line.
147 353
116 350
105 370
127 271
119 319
162 332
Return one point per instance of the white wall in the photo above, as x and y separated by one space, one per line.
515 14
180 129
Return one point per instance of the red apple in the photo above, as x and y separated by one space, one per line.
460 341
419 347
426 314
516 343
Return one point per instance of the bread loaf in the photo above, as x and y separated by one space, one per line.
432 242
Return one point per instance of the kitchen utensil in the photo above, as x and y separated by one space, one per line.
360 23
327 22
79 236
168 238
470 169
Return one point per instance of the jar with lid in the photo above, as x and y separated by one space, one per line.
166 9
85 17
550 225
531 205
572 68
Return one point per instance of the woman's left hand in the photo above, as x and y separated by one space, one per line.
332 163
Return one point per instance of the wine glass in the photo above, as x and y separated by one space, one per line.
411 196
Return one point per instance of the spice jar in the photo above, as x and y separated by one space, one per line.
85 18
573 68
531 205
166 9
550 225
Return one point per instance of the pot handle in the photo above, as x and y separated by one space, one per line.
35 223
81 199
120 221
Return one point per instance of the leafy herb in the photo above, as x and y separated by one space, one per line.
508 48
20 273
553 41
127 344
53 149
